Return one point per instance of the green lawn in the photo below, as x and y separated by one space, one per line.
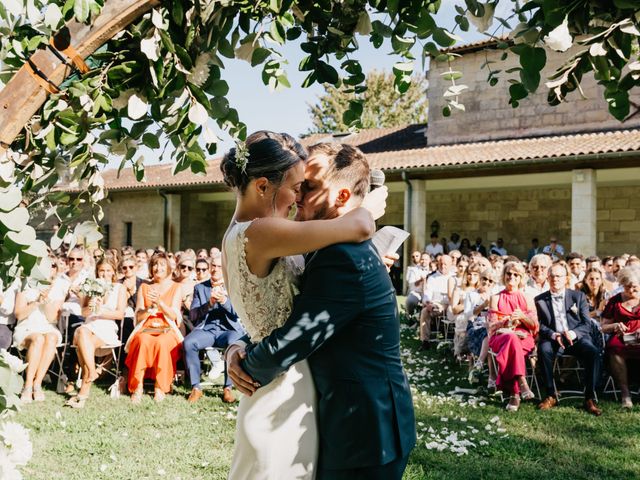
460 437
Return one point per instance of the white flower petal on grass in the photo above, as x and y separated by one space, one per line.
16 439
103 467
495 419
559 39
161 471
198 114
136 107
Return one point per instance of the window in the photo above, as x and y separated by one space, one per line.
104 243
128 233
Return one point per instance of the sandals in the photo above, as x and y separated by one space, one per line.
527 395
158 395
513 407
38 394
627 403
77 402
136 397
26 396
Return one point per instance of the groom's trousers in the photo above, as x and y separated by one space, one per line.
390 471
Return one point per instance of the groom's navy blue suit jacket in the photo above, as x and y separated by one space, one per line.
345 322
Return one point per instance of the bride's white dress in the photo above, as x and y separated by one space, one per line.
276 431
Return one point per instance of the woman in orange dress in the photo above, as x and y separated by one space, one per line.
156 342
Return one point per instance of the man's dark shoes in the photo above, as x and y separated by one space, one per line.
548 403
425 345
591 407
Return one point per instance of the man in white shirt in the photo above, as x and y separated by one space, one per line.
7 316
565 326
435 247
538 275
454 243
577 268
416 273
554 249
435 298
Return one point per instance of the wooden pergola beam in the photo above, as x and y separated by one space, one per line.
23 96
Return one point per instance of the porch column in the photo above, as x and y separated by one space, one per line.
415 215
173 221
583 211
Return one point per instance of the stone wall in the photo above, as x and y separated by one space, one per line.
489 116
145 211
394 214
515 215
203 223
618 220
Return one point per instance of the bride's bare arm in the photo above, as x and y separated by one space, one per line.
272 237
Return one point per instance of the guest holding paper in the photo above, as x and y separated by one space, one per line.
513 326
156 342
621 317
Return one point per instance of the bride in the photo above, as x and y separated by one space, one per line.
276 431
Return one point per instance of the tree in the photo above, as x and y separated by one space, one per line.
160 81
382 105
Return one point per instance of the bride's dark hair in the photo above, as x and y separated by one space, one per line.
268 154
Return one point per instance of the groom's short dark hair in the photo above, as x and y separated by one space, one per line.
346 163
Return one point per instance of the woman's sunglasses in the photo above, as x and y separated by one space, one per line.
128 267
186 267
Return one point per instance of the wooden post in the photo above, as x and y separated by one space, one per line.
22 97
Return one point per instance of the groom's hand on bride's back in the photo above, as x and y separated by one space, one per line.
243 382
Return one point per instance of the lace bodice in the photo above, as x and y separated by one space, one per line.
263 304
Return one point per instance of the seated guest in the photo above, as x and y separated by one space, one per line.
621 317
554 249
435 247
185 276
202 254
476 309
7 316
142 261
416 273
513 327
498 248
455 311
131 283
478 247
577 269
457 279
215 323
538 281
565 326
99 328
435 299
534 250
36 331
156 342
594 289
454 244
465 247
202 270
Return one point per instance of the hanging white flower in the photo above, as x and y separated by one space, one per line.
200 72
209 136
198 114
15 439
14 7
559 39
52 16
158 20
150 46
137 107
363 27
483 23
33 13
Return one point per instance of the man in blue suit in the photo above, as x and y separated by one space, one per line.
345 322
215 323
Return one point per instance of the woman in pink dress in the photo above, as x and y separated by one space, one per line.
513 326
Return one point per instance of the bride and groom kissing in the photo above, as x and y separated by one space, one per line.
326 396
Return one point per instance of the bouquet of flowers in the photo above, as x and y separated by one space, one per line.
94 288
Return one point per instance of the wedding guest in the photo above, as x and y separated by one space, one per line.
513 326
202 270
456 256
155 344
554 249
202 254
142 262
538 281
36 331
457 279
621 317
216 324
416 273
435 247
478 247
455 311
534 250
213 251
565 325
7 314
594 289
435 298
465 247
454 244
131 283
185 276
99 328
476 309
576 264
607 265
498 248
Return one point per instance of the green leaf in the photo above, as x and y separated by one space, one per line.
200 96
81 10
533 59
277 31
326 73
626 4
166 40
444 38
219 107
218 88
68 138
259 55
184 57
177 12
151 140
517 91
530 79
446 111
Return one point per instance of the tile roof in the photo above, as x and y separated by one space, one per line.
405 148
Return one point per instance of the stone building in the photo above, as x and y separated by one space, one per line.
570 171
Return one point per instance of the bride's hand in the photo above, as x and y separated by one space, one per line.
243 382
376 201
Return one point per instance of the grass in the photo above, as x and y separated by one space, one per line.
112 439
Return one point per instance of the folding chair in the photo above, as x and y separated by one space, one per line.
530 377
577 369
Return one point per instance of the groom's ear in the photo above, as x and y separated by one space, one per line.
343 197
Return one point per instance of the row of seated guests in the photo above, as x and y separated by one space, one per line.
149 312
477 288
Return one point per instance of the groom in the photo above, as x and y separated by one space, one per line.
345 322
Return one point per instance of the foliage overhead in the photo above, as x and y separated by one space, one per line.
160 82
382 105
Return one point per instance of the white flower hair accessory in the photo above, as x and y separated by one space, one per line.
242 156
